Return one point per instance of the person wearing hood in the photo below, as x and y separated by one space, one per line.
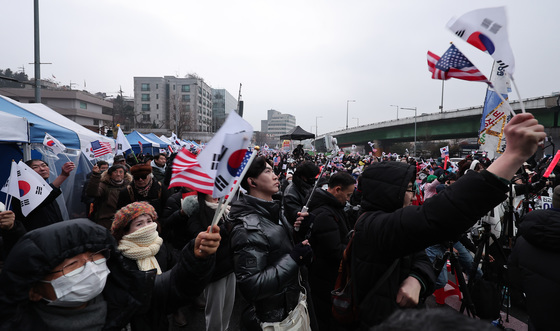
391 229
329 237
158 165
105 188
266 261
70 276
533 265
296 193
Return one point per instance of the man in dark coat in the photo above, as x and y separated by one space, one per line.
266 261
329 237
143 188
388 231
296 193
534 264
70 276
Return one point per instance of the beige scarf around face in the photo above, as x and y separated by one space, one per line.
142 246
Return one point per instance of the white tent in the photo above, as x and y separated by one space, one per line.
13 128
85 135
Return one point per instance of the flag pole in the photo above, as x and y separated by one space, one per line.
518 95
220 211
505 103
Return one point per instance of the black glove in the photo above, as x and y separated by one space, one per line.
302 254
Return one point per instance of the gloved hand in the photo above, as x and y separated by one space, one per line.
189 205
302 254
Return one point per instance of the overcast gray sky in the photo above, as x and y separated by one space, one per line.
305 58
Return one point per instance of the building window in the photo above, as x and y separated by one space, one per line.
185 88
186 97
145 107
157 86
145 97
157 96
157 106
145 87
95 121
157 116
146 117
83 105
173 87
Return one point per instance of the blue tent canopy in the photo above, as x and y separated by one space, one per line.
148 145
154 138
38 126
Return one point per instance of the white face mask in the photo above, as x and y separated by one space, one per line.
78 289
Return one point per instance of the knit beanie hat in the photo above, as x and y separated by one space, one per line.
556 197
431 178
141 170
129 212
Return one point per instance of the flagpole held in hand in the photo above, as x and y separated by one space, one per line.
505 103
221 208
329 159
518 95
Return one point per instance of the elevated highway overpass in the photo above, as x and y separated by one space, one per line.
452 124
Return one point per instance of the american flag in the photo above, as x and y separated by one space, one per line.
188 172
453 64
100 148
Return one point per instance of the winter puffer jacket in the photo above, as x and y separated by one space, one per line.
392 232
534 266
106 194
261 244
127 292
329 238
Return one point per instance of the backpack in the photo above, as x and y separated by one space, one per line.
345 309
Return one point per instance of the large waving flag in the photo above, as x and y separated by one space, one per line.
495 115
187 172
223 155
453 64
122 144
486 29
52 144
33 189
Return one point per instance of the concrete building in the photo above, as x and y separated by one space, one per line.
164 104
81 107
277 124
222 104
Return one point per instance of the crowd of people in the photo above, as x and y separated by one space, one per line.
145 250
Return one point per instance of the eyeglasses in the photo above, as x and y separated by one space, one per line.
136 177
76 267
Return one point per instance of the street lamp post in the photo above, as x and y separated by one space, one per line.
397 110
315 141
414 127
348 101
357 120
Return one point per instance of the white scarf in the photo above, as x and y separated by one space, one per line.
142 245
